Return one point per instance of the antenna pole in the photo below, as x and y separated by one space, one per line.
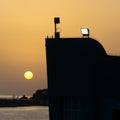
56 21
55 28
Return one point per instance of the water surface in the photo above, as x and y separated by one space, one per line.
24 113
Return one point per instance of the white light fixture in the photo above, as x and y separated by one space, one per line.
85 32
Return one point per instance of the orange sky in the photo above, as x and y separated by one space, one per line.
24 25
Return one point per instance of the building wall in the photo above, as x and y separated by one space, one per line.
80 68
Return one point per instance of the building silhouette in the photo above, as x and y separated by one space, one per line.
83 81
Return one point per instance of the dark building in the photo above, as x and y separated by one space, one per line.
83 81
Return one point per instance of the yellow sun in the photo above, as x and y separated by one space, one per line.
28 75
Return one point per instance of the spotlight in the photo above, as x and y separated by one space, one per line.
85 32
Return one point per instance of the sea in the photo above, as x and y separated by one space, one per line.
23 113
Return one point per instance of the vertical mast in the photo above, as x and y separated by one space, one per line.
56 21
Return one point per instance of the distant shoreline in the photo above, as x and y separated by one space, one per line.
12 96
22 102
39 98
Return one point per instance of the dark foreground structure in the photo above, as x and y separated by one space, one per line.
83 81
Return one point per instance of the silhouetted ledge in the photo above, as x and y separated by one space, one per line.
86 46
39 98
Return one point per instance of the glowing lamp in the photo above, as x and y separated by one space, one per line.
85 32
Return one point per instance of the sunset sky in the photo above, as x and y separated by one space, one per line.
24 25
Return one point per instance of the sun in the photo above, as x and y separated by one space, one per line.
28 75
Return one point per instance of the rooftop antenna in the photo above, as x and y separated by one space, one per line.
56 21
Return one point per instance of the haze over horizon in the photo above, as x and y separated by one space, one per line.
25 24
